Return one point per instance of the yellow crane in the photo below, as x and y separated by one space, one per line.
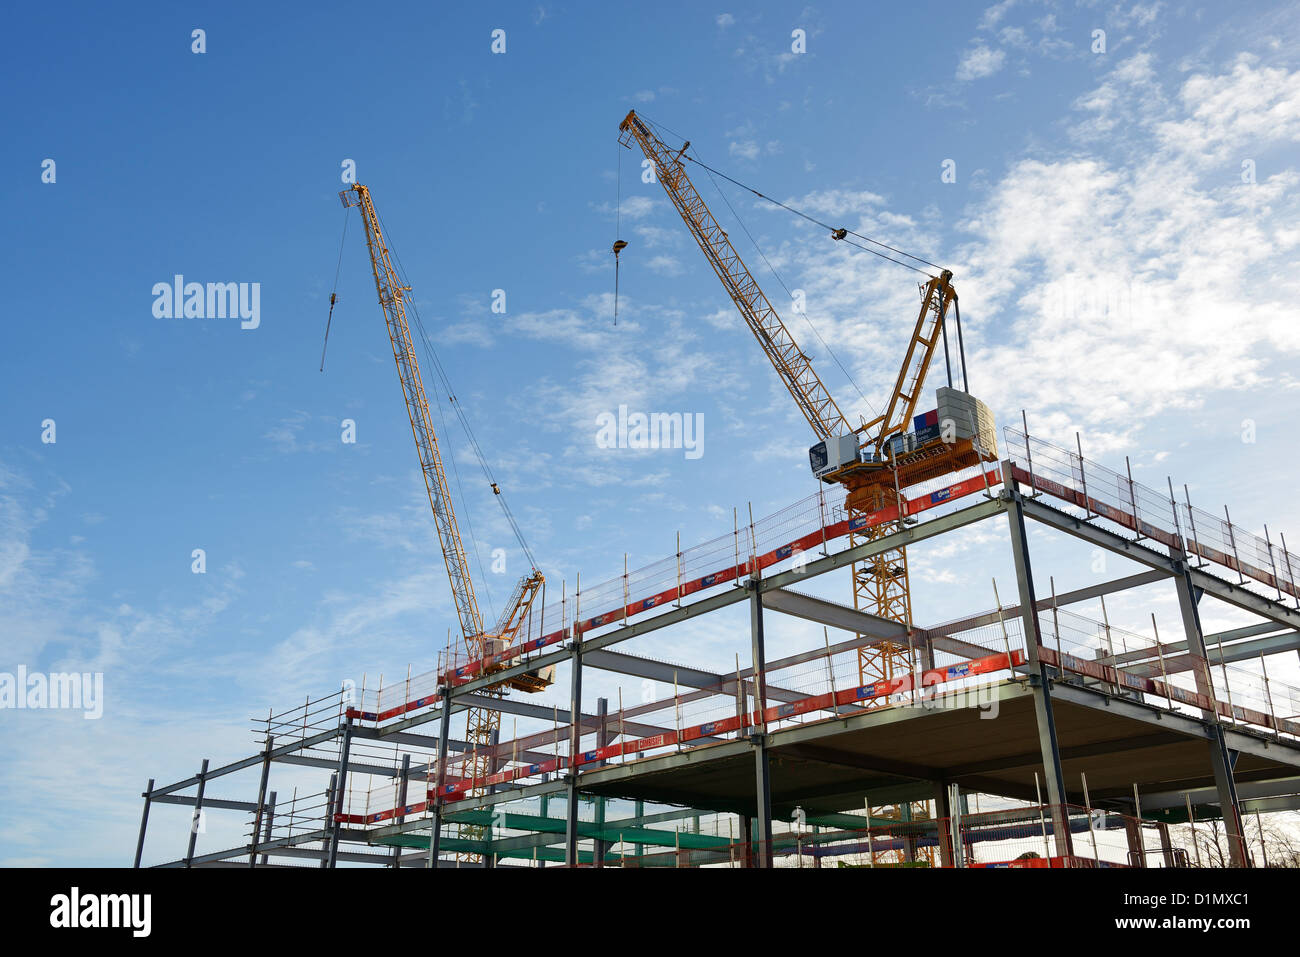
482 723
874 460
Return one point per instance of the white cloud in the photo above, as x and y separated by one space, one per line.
1234 115
980 62
725 20
1116 277
664 265
1097 281
632 207
994 14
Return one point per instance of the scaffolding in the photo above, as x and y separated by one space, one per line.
709 775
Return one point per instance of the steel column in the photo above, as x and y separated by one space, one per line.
1166 846
261 801
197 815
1220 761
144 822
270 823
575 739
943 812
1040 683
1136 849
762 769
444 734
335 825
601 848
401 804
331 797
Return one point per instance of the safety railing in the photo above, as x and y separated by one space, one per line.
807 526
1160 515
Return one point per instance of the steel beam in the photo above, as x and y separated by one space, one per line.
1247 790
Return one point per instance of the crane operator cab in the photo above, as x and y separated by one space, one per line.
958 434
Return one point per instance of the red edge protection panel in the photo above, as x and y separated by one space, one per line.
455 791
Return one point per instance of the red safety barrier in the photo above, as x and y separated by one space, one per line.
456 790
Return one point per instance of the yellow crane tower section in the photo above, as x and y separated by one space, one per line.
482 723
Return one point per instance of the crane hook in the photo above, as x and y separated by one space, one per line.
619 246
328 319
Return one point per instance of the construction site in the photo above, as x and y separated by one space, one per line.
1029 732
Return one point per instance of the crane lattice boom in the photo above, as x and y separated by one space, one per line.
390 290
790 362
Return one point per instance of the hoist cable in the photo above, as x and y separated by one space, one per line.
432 355
777 275
799 212
334 292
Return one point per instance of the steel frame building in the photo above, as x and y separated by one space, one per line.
1146 729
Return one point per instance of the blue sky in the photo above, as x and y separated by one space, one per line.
1081 178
